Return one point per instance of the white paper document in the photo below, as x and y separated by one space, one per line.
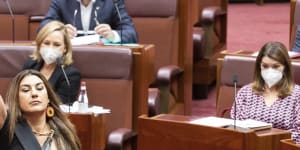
85 40
93 109
86 32
213 121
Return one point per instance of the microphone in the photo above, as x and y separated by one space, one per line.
119 15
59 62
235 80
74 18
12 19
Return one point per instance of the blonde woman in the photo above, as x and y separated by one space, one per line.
52 44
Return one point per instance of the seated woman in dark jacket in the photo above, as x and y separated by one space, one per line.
33 120
53 53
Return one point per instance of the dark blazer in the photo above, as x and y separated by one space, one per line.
23 139
296 47
63 10
57 80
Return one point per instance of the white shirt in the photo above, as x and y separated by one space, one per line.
86 13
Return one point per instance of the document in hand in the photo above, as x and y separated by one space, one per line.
85 40
213 121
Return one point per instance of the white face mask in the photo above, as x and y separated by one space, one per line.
271 76
50 55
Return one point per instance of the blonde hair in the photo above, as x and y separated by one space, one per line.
44 32
65 135
278 52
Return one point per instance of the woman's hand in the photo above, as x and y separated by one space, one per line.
3 112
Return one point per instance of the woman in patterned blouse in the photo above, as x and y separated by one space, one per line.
273 96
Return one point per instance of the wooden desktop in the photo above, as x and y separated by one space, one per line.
174 132
288 144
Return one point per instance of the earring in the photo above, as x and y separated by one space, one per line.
50 112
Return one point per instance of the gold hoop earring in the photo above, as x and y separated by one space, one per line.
50 112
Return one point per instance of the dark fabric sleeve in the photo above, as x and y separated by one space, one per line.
129 34
66 93
61 10
296 47
4 134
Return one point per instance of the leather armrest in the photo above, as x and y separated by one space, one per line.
166 73
153 101
36 18
117 138
209 14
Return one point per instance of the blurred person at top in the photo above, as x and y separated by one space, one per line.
83 17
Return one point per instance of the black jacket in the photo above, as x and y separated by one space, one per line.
58 81
24 138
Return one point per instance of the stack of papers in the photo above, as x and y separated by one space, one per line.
93 109
213 121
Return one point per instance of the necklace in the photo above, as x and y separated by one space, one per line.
44 134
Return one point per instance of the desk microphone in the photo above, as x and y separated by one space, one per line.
235 80
12 19
74 18
119 15
59 62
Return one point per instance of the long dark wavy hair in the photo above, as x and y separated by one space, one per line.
65 135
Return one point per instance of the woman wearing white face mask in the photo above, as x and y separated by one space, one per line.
53 43
273 96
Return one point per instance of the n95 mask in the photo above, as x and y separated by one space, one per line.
50 55
271 76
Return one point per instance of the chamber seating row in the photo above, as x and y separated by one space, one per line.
187 34
108 72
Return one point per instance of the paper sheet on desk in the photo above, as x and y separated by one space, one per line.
93 109
123 44
85 40
213 121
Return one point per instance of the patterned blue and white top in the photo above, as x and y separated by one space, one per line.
283 113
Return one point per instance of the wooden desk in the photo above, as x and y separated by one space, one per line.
174 132
90 130
143 76
288 144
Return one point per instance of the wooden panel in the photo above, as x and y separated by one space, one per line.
21 27
288 144
90 129
175 132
